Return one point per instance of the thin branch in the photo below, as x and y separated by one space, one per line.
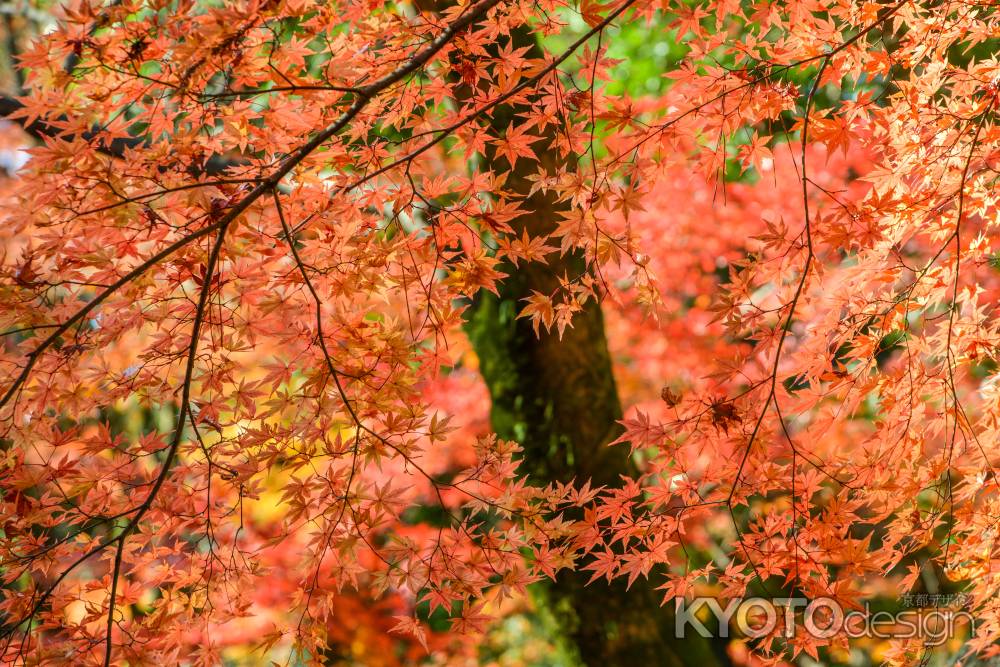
266 185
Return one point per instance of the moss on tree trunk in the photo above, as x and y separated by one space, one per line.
558 399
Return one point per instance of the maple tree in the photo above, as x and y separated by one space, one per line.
270 263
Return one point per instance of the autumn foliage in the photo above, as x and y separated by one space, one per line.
238 403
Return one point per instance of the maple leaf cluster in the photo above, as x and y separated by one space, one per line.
254 229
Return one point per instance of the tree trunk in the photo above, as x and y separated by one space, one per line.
558 399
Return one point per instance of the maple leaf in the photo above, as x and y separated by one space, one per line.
541 310
591 11
526 248
516 143
411 626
